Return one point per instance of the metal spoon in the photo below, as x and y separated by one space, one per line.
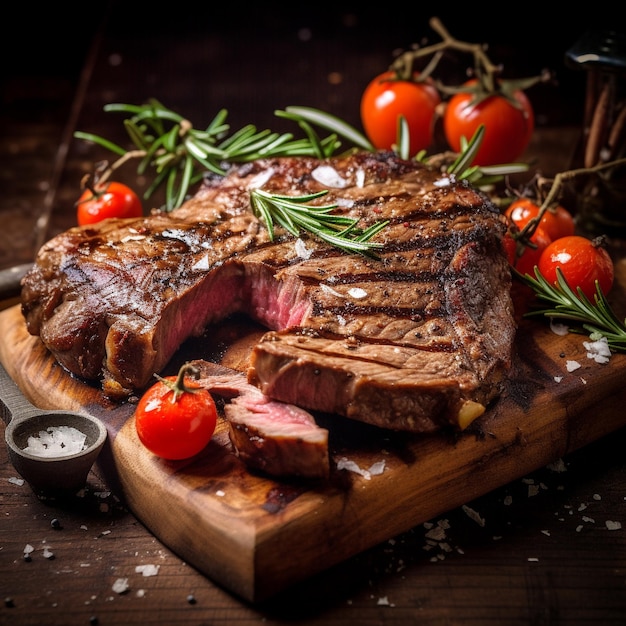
48 476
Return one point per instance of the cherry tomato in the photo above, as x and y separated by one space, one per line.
525 263
556 221
508 129
111 199
175 420
582 261
384 100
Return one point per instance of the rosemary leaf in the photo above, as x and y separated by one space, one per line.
172 175
238 138
331 123
185 180
105 143
170 138
403 146
468 152
194 149
272 146
295 215
597 317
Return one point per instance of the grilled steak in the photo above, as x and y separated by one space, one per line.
417 339
277 438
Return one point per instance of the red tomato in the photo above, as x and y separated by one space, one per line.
175 420
111 199
385 100
556 221
582 262
508 129
525 263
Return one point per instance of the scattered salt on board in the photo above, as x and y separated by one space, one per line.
56 441
598 350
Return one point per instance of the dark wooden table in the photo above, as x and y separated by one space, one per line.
552 549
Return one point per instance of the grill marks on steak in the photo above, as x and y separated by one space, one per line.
418 339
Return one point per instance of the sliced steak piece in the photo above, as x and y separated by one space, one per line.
277 438
417 339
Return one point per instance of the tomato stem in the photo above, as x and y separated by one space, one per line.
484 70
178 386
556 188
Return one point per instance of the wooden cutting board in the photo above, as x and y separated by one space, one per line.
256 536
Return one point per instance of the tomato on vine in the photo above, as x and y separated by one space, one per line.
524 257
556 221
176 420
388 97
582 262
104 200
509 122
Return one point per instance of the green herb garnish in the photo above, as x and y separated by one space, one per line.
296 214
180 154
597 318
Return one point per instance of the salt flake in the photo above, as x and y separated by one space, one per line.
611 525
533 490
147 570
329 177
121 585
557 466
357 293
472 514
351 466
47 553
301 250
330 290
598 350
260 179
436 533
377 468
572 365
558 329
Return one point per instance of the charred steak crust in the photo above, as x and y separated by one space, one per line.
415 340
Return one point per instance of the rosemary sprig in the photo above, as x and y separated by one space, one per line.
180 154
597 318
462 168
295 214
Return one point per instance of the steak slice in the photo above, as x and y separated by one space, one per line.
277 438
416 339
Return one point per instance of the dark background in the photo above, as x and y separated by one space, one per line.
265 37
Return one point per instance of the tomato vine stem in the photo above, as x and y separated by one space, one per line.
488 74
178 386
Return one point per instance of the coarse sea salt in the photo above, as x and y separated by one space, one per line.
329 176
56 441
598 350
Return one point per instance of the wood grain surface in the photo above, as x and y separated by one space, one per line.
257 536
548 549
